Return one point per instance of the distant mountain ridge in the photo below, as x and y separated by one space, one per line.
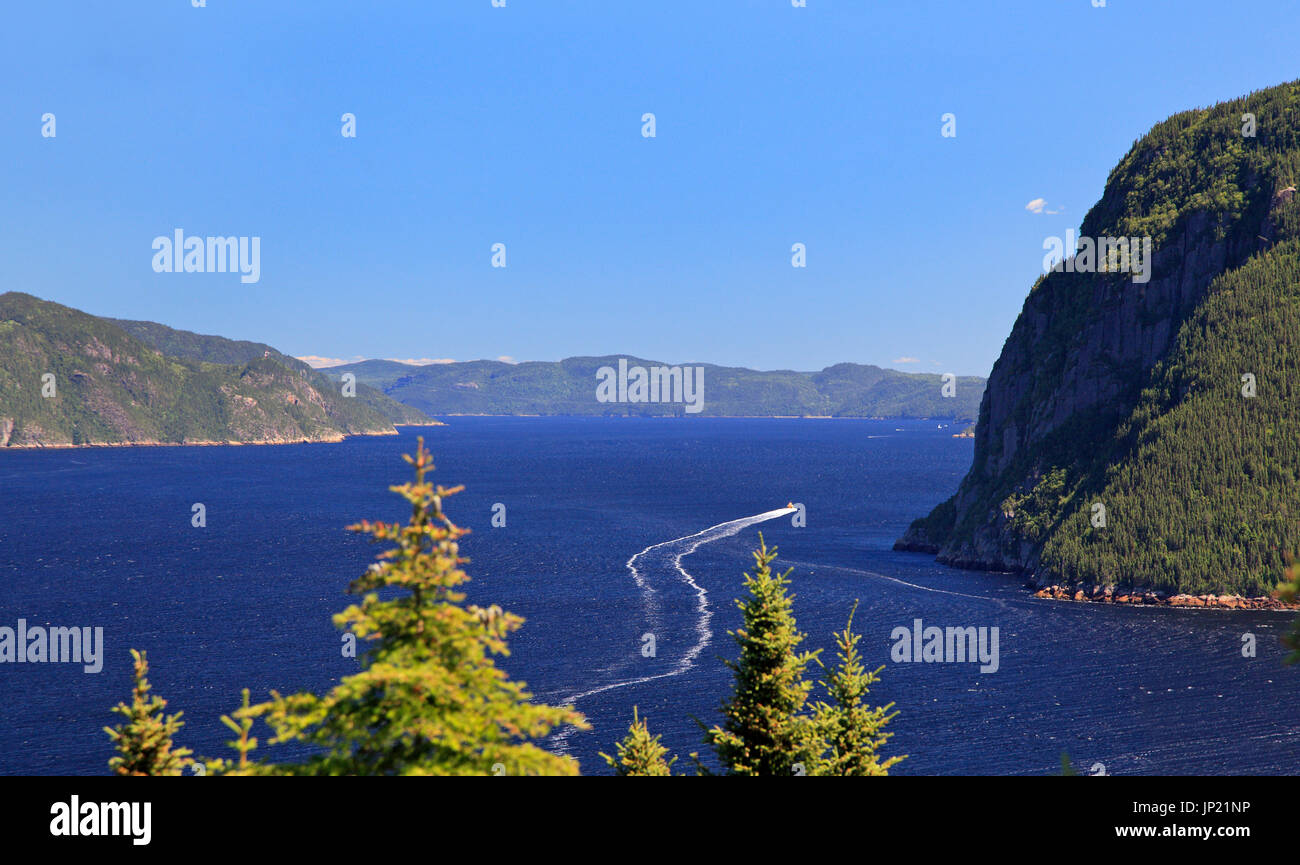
68 378
568 387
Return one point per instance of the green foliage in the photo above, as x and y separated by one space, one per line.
1201 484
113 388
1199 162
852 731
765 730
1033 513
768 726
244 744
927 533
144 740
1289 590
184 344
430 700
640 754
1203 487
566 388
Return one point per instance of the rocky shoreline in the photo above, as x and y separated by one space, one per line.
1154 597
909 546
1098 594
161 444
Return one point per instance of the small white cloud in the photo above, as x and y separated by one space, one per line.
421 361
316 362
505 358
906 360
1039 205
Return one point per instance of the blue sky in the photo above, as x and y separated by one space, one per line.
522 125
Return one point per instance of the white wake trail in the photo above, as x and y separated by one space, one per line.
678 549
812 566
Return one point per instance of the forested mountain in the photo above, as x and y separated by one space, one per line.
1146 434
69 378
568 387
218 349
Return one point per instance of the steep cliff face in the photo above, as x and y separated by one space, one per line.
1087 371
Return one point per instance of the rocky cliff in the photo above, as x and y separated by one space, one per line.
68 379
1106 380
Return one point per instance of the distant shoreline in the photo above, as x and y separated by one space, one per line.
230 443
709 417
338 438
1115 594
1157 598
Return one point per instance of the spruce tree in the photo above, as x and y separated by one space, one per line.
144 741
430 700
852 731
244 744
640 754
765 730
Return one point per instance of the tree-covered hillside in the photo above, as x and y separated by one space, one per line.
218 349
1146 434
68 378
568 387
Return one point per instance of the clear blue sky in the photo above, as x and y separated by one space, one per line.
521 125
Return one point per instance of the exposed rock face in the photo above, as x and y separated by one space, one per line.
1131 327
1138 597
69 379
1087 348
187 345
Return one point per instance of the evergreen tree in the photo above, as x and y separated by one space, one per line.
852 731
1195 463
144 741
430 700
765 731
640 754
245 744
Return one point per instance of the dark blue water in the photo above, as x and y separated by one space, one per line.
102 537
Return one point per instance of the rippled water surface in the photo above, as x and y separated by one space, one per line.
102 537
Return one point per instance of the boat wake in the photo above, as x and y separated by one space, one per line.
657 570
797 565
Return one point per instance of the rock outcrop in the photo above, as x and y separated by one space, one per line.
70 379
1082 396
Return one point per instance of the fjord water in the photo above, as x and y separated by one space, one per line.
102 537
